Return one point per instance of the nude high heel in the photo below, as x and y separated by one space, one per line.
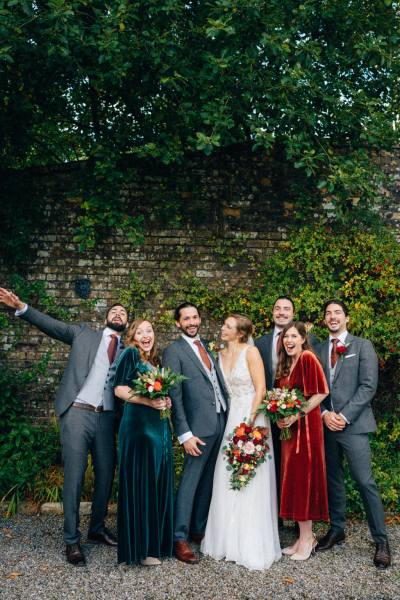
289 550
298 556
150 561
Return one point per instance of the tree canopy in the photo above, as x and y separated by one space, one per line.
316 81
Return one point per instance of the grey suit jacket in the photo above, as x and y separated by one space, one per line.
84 342
354 384
193 400
264 345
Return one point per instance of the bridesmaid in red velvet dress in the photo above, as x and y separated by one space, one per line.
303 474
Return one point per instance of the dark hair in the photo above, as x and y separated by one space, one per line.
284 360
244 327
284 298
336 301
177 312
114 305
130 341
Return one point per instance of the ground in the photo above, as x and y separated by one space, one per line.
33 565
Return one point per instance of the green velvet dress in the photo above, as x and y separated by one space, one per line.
146 485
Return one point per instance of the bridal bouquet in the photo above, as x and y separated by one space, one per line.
281 403
247 448
156 383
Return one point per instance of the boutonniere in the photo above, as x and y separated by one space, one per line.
341 350
214 348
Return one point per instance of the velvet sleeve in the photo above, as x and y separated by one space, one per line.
314 380
126 368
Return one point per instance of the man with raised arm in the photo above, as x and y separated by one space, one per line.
84 405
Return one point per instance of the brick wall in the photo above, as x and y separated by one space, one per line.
235 202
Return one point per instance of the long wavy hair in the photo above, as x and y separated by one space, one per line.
152 358
284 360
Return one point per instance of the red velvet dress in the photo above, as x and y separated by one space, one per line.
303 473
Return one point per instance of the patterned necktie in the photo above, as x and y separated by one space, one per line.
278 343
112 347
334 355
204 356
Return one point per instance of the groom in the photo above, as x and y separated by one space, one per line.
199 407
85 407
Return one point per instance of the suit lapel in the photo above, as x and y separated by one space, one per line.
193 357
220 377
94 347
325 358
341 359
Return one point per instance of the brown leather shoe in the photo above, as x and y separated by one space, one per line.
75 555
183 552
197 538
382 555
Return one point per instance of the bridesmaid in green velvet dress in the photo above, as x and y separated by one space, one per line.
145 498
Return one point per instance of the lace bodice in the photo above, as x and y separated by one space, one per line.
239 381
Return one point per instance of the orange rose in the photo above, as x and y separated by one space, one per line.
157 386
240 431
257 435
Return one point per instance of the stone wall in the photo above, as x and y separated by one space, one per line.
235 208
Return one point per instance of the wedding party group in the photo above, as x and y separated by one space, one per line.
265 426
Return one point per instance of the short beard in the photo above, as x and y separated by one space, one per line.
119 327
189 334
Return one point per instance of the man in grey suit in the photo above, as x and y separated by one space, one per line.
351 368
84 405
269 346
199 407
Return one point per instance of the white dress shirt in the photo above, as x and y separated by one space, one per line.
342 340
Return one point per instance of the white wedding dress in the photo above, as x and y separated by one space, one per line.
242 525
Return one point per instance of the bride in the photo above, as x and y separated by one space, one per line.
242 525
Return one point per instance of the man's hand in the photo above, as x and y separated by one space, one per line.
333 421
10 299
191 446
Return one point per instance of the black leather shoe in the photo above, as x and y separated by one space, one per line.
105 537
329 540
382 555
75 555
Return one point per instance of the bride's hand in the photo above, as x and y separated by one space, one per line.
159 403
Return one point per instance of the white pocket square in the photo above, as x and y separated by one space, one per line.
350 355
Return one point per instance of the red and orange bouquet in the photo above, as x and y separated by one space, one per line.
247 448
156 383
280 403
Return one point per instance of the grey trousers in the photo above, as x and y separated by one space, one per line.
357 450
84 432
193 498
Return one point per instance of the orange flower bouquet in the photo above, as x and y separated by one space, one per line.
247 448
156 383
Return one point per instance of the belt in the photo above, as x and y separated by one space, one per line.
97 409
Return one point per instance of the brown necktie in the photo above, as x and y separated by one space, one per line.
112 347
278 343
203 353
333 352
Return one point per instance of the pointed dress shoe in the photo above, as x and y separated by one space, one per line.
75 555
104 537
184 553
329 540
382 555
